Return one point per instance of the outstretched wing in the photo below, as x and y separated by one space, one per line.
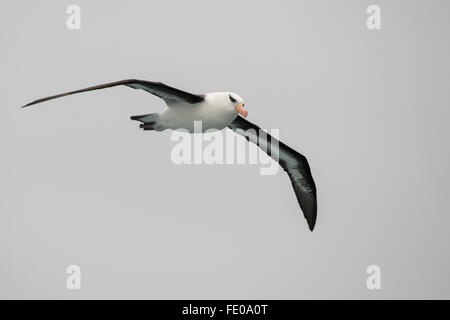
169 94
294 163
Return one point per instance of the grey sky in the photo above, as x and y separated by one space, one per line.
81 184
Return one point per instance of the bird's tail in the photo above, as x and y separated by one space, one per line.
149 121
140 118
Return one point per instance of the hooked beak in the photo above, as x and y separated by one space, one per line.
241 110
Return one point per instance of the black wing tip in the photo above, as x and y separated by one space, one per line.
27 105
311 223
310 212
313 218
34 102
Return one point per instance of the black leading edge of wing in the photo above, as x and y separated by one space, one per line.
169 94
294 163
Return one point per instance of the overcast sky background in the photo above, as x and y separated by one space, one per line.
82 184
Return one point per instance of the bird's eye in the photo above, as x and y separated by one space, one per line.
232 99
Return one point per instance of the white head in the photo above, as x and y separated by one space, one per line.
237 103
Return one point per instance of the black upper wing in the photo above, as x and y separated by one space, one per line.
294 163
169 94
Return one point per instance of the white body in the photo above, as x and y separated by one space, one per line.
215 112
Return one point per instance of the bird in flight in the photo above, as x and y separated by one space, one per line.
218 110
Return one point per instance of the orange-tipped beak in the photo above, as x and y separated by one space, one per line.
241 110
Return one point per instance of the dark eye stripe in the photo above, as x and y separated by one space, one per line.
231 98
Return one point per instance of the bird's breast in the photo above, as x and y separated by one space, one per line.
198 117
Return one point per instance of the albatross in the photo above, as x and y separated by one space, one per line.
217 111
